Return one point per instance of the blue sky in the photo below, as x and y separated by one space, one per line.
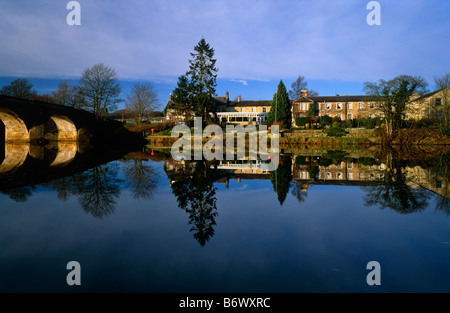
257 43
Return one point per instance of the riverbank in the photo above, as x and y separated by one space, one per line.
352 137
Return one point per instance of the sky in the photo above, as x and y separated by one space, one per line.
257 43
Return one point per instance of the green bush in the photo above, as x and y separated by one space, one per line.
335 132
336 119
301 121
347 123
325 120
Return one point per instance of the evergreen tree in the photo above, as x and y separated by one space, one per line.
202 70
280 110
200 83
182 98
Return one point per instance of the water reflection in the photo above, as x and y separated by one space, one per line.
140 175
397 192
192 184
405 185
281 178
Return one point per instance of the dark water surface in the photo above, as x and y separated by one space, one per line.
146 223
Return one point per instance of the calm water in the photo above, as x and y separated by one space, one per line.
146 223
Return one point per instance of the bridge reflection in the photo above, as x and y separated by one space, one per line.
13 155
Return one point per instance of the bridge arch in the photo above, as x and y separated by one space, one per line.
15 128
67 131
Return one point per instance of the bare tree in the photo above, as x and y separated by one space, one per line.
299 85
68 95
443 84
20 88
393 96
100 89
141 100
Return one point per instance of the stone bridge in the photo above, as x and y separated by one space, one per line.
35 121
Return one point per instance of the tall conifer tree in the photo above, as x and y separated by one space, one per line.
280 110
203 73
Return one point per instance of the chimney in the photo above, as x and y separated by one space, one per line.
304 93
170 97
227 97
239 99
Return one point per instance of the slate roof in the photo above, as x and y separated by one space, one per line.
428 95
342 98
250 103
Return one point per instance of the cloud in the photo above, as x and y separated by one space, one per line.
243 82
268 40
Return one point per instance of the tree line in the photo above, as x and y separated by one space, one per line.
98 91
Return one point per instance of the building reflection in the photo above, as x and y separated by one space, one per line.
334 168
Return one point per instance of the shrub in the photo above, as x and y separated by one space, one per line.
336 119
325 120
336 125
335 132
301 121
347 123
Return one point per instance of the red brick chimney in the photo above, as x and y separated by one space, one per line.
304 93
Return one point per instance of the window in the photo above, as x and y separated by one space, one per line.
350 105
349 116
361 105
242 109
349 175
372 176
253 109
438 183
339 175
328 106
264 109
361 176
328 175
372 116
438 101
371 105
339 106
349 165
303 106
339 116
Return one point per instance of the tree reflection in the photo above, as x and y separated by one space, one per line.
192 185
281 178
298 191
443 200
20 194
142 178
395 193
97 189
